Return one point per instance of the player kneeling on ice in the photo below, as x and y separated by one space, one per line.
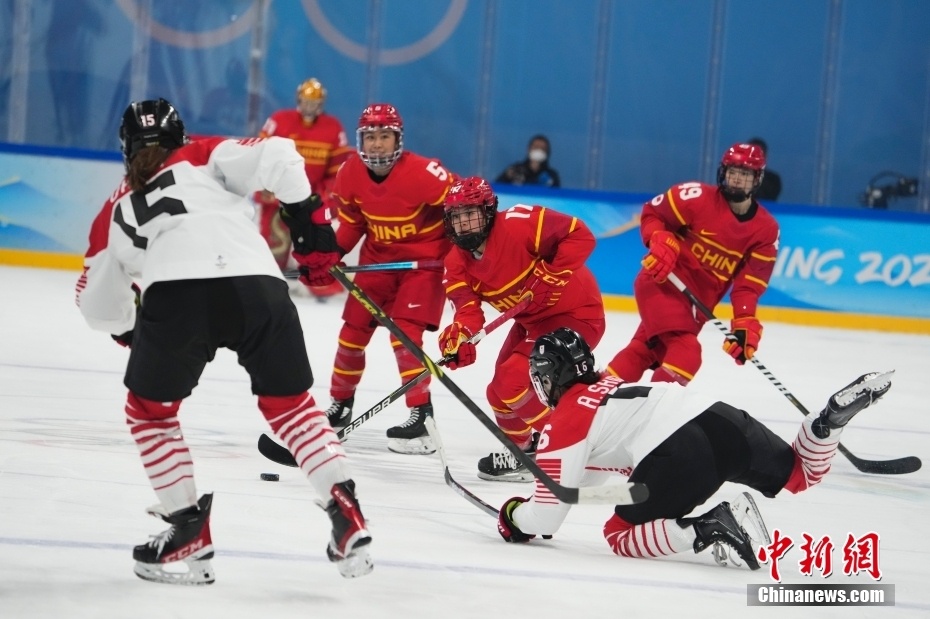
681 443
180 224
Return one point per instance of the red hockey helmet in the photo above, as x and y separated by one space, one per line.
469 193
748 156
380 116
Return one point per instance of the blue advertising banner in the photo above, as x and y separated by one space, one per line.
835 266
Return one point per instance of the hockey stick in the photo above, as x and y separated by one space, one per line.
464 492
899 466
434 265
618 494
279 454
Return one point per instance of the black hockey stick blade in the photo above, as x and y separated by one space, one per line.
616 494
898 466
278 454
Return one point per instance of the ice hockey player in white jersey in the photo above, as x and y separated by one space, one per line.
177 269
682 444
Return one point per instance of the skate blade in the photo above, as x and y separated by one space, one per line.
421 446
749 517
357 564
198 572
873 381
517 477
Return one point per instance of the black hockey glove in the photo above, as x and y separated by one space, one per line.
505 525
309 223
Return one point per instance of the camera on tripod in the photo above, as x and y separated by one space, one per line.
877 196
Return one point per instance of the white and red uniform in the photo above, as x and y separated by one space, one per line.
199 194
519 239
683 443
400 218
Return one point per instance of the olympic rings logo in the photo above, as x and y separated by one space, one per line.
142 18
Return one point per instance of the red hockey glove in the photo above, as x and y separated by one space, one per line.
662 256
454 341
545 287
315 247
748 332
505 525
314 267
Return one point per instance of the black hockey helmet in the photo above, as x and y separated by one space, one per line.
154 122
559 360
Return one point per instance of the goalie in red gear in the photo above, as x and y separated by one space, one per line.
683 444
390 200
321 140
715 239
499 259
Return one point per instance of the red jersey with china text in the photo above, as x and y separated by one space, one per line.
322 144
521 237
400 216
718 247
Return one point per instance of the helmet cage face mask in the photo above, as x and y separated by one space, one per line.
746 156
374 117
467 196
154 122
310 99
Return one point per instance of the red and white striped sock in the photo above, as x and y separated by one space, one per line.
657 538
304 429
813 455
165 456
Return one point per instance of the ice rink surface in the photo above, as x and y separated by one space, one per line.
73 492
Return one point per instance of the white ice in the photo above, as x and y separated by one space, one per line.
73 493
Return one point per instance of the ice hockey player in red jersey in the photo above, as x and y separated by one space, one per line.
321 140
499 258
712 238
176 270
392 199
683 444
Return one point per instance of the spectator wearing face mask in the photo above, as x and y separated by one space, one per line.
535 169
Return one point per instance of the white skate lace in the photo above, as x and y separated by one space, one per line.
413 419
503 460
158 541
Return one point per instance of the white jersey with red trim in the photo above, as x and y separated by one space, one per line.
599 430
192 221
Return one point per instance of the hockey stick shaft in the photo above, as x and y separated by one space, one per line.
619 494
410 265
461 490
278 453
898 466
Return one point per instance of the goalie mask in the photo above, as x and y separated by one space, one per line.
746 157
559 360
468 212
150 123
310 99
374 117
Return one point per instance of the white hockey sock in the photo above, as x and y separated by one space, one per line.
304 429
814 455
657 538
165 456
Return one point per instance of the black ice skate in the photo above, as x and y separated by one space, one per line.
339 412
411 436
854 397
187 541
503 466
721 529
348 546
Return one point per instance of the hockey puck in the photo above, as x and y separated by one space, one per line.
270 477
